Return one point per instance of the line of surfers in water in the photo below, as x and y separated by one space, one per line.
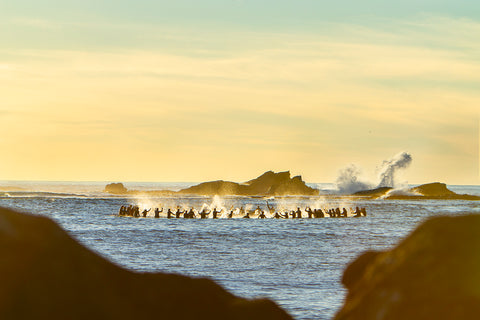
134 211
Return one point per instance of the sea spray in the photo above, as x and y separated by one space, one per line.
389 167
348 180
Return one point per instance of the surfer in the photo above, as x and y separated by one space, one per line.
285 215
157 212
358 212
145 212
298 213
337 213
136 212
215 212
309 211
178 213
203 214
318 213
191 213
271 209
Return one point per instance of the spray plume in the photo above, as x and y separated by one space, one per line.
388 168
347 180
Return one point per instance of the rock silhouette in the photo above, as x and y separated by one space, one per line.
115 188
45 274
434 191
433 274
269 183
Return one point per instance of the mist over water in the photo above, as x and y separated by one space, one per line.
350 179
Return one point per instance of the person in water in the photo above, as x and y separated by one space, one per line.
318 213
215 213
247 215
271 209
309 211
344 213
203 214
178 213
358 212
169 213
262 215
298 213
145 212
276 215
157 212
136 212
285 214
337 213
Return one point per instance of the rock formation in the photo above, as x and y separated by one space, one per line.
433 274
269 183
434 191
115 188
45 274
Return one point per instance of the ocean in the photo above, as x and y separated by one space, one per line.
298 263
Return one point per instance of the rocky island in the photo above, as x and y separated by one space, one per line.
267 184
430 191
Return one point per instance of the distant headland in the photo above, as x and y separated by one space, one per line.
281 184
267 184
431 191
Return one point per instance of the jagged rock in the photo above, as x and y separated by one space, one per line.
115 188
269 183
45 274
433 274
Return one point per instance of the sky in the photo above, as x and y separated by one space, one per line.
203 90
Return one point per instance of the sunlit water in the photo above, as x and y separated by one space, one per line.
297 263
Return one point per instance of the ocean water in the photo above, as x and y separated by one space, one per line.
297 263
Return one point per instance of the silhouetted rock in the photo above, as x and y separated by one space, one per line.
269 183
115 188
433 274
45 274
434 191
374 193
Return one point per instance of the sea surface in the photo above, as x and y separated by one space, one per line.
297 263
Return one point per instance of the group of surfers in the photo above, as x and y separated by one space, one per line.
134 211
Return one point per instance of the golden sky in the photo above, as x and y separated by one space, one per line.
142 101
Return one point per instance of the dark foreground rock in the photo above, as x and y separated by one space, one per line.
45 274
433 274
